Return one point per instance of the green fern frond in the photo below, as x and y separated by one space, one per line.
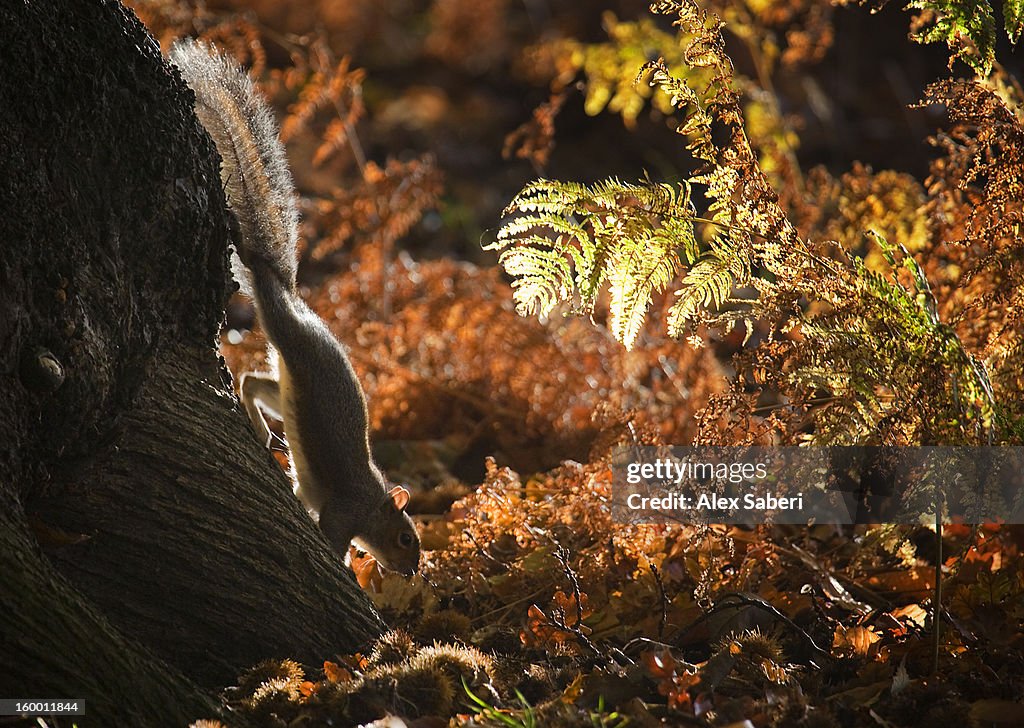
563 241
892 334
706 285
968 28
1013 18
635 273
540 277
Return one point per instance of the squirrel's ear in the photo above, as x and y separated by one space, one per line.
399 496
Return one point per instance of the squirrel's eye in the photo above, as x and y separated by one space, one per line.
405 539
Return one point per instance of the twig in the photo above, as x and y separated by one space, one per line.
664 601
562 554
730 601
505 608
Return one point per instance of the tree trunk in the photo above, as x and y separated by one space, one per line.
148 541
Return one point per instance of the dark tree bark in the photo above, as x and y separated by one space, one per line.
148 543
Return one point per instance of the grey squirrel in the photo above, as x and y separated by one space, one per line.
316 394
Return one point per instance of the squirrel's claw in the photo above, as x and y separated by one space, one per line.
276 443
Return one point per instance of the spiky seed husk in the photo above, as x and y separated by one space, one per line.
391 648
459 662
446 624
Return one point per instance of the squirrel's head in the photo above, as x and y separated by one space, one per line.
391 537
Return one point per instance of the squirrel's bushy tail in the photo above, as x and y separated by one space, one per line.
255 172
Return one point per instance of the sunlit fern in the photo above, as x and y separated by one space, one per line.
565 241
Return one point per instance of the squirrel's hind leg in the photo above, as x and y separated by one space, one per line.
256 389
